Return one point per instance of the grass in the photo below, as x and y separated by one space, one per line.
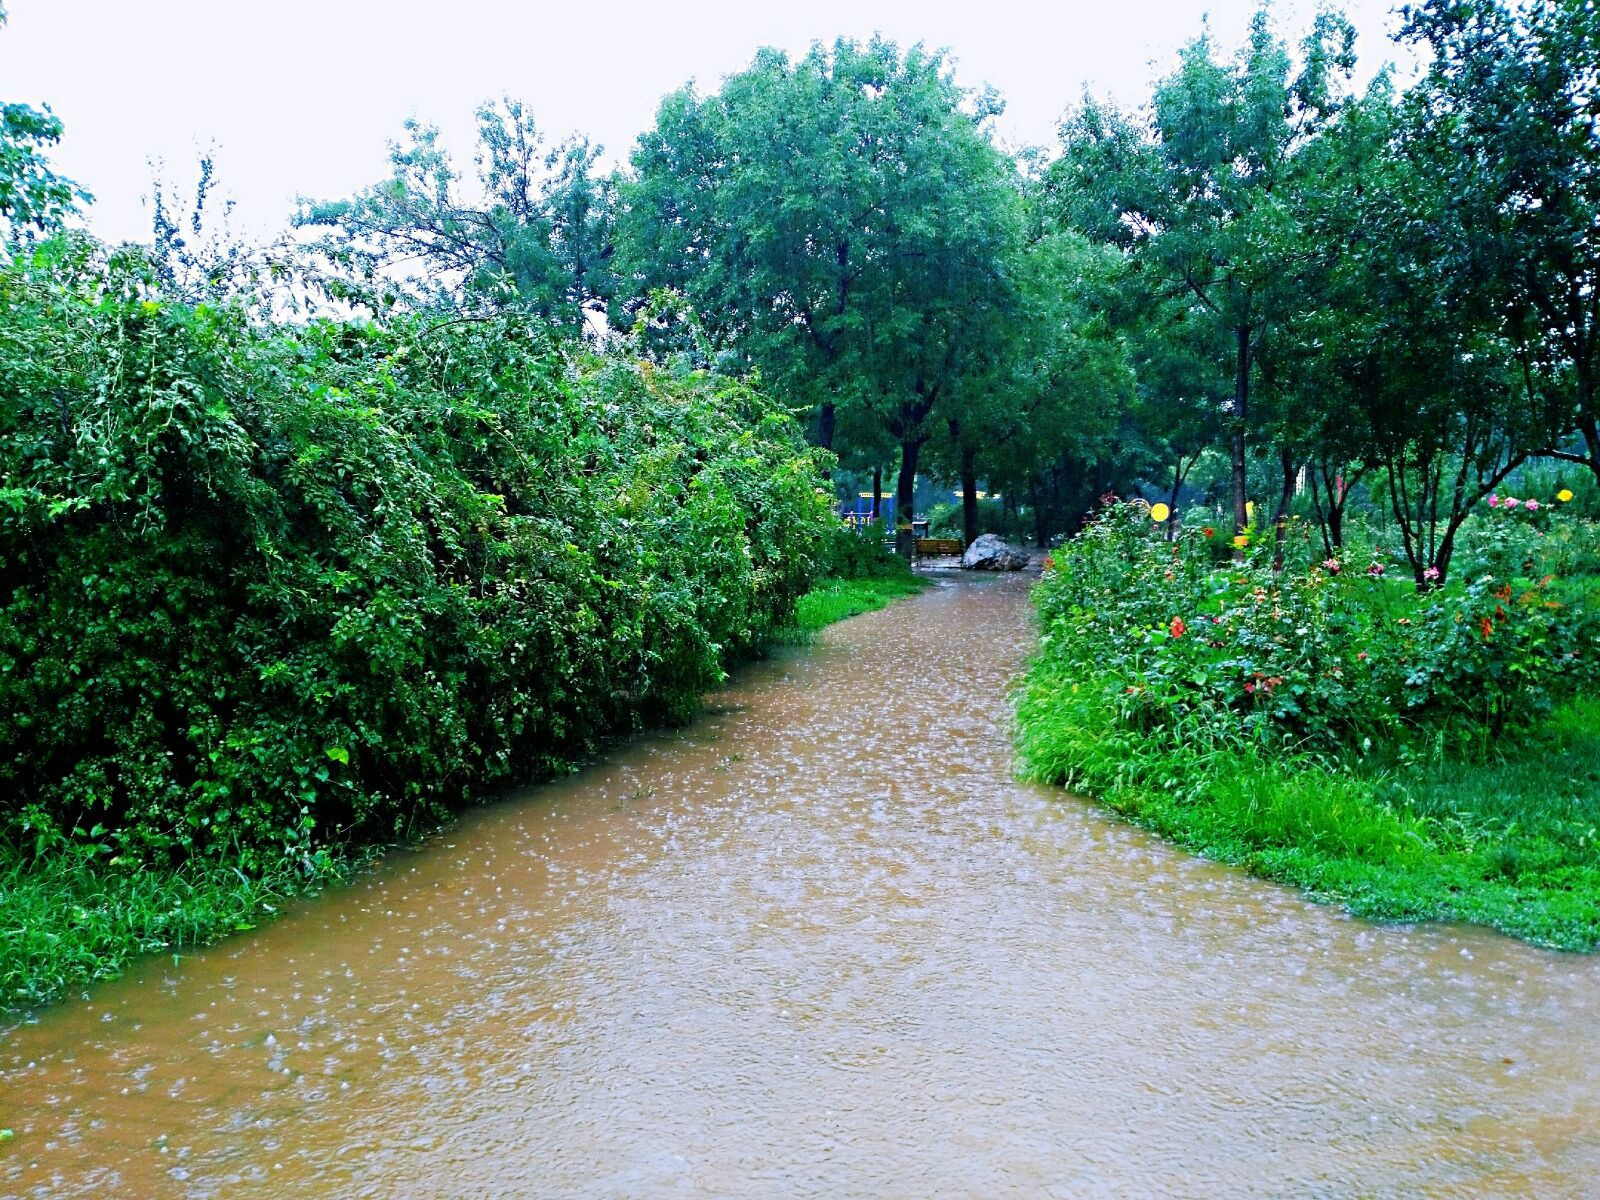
837 599
67 918
1508 842
70 916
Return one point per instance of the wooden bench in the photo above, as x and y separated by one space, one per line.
939 546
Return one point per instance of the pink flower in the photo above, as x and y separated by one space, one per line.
1431 574
1332 566
1510 501
1532 506
1494 500
1375 570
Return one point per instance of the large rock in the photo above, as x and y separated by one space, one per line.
989 553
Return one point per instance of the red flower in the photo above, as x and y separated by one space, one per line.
1486 627
1177 629
1049 562
1209 532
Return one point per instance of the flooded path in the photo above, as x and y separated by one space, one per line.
796 951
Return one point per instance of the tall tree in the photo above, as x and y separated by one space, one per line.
841 222
33 197
537 233
1060 389
1512 105
1400 369
1207 189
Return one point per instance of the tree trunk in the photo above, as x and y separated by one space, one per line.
1441 561
969 496
1591 440
1322 513
1280 518
877 493
825 422
905 541
1241 412
1172 499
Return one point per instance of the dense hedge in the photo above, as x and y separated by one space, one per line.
266 586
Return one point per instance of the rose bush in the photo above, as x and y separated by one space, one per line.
1315 657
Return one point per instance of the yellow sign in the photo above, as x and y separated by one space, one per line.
1159 512
1250 509
1241 541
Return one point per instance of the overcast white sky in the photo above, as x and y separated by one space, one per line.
301 96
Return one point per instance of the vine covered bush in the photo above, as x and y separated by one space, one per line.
267 587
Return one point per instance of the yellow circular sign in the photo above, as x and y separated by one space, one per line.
1159 512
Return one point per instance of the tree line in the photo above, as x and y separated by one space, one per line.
1326 283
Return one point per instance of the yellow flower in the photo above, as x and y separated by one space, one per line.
1564 495
1241 541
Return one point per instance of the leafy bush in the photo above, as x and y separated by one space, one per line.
1327 657
858 552
266 587
1328 725
945 520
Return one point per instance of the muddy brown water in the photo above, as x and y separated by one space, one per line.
794 950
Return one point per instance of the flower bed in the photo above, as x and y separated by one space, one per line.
1290 719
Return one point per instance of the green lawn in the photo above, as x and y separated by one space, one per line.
836 599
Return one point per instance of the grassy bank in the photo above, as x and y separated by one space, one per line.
1430 756
70 918
1509 841
72 914
837 599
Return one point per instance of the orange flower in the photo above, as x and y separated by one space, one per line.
1177 628
1486 627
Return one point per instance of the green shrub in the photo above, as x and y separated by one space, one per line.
266 587
1411 755
1327 658
858 552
